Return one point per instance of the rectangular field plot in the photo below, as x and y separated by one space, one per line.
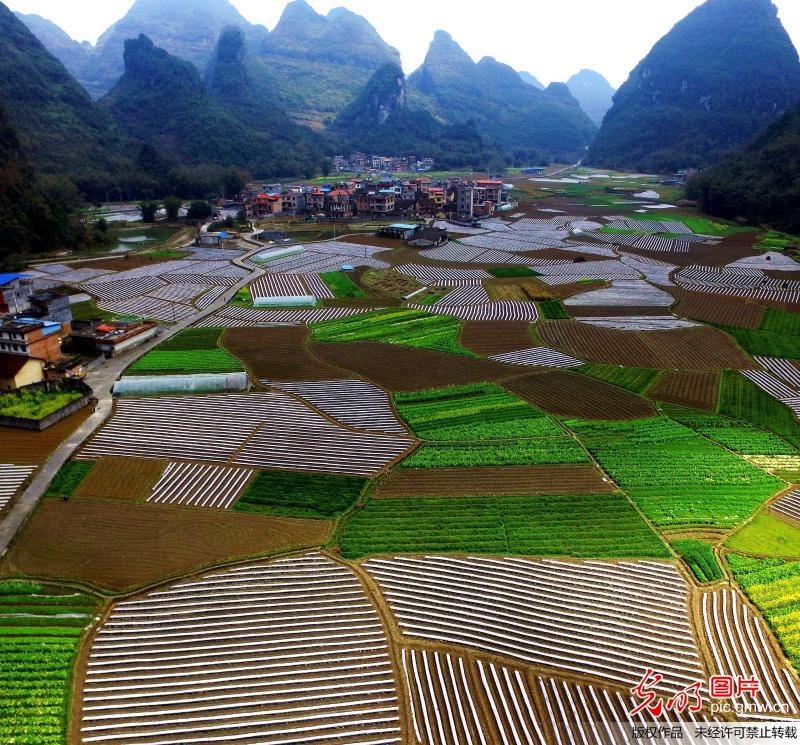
283 652
740 646
198 485
262 430
594 525
789 505
591 618
482 425
537 357
11 479
676 476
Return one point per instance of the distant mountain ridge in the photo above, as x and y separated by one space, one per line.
720 75
507 111
593 92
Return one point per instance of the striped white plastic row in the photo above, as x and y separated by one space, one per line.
789 505
784 369
434 275
538 357
501 310
200 485
11 479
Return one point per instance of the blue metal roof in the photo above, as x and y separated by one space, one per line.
402 226
10 277
50 327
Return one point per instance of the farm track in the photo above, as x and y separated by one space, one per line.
119 545
278 353
697 390
568 394
478 481
701 348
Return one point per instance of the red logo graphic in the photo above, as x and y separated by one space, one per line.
691 697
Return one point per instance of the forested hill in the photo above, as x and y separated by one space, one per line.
718 77
762 183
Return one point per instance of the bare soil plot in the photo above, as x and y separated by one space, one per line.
25 447
568 394
399 368
700 348
123 264
499 482
517 289
697 390
119 545
277 353
716 309
495 337
128 479
576 288
386 283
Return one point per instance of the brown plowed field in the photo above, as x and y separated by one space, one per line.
496 337
277 354
701 348
569 394
128 479
697 390
24 447
399 368
522 290
499 482
120 545
715 309
576 288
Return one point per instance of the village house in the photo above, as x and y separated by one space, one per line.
380 202
17 371
479 198
263 206
15 293
31 337
53 306
112 337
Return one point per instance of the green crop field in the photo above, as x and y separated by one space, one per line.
767 535
774 586
190 352
676 476
699 557
743 437
740 398
603 526
552 310
342 286
482 425
511 272
778 335
300 494
39 633
634 379
782 322
36 404
69 478
410 328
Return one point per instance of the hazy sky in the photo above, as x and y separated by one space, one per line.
550 38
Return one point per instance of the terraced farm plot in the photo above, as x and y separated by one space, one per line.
200 485
768 534
41 628
411 328
699 557
115 478
353 403
287 651
789 505
564 393
261 430
11 480
740 646
189 352
736 435
481 425
537 357
700 348
300 494
278 353
772 586
633 379
740 398
717 310
25 447
488 481
407 369
677 477
118 545
501 310
695 389
595 525
602 619
488 338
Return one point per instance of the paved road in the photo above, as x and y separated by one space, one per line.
101 380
